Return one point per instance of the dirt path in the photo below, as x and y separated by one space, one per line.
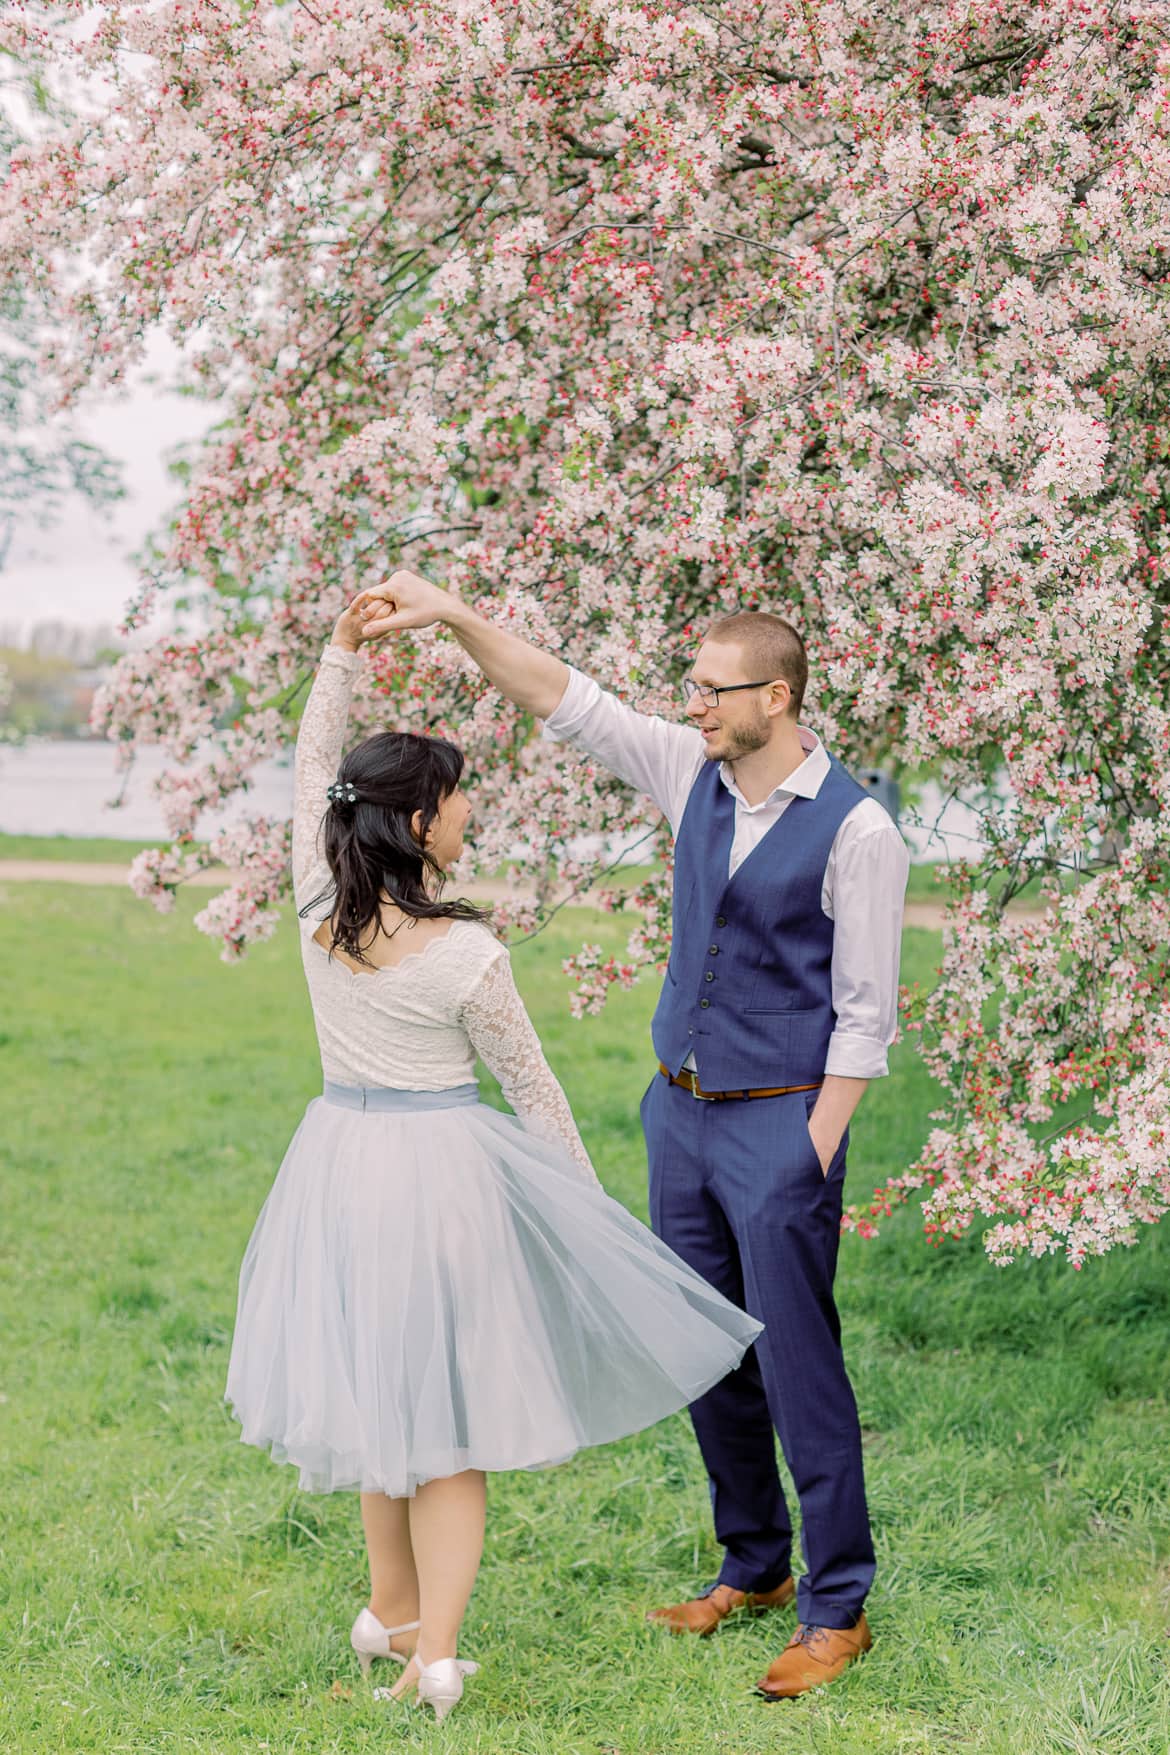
60 871
82 871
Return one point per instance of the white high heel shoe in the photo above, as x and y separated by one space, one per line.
440 1685
370 1640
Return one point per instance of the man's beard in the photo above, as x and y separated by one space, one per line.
744 739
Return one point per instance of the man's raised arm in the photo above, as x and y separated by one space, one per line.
650 754
534 680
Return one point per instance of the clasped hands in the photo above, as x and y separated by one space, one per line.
404 600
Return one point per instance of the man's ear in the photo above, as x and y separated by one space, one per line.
779 700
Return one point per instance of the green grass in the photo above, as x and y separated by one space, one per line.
166 1589
922 885
74 849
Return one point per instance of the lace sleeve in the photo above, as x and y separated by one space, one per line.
319 745
502 1035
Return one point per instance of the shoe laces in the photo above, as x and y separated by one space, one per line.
808 1633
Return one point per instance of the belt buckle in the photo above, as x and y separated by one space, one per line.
699 1096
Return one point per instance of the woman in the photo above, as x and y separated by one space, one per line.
435 1290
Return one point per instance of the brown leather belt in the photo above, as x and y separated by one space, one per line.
689 1082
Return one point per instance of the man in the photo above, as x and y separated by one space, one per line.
779 1003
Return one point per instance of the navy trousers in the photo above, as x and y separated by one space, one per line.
736 1189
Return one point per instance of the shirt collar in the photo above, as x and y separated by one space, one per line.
804 781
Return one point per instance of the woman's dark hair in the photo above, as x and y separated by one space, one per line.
368 839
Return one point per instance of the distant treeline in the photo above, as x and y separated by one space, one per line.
46 696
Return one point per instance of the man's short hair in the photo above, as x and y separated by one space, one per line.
771 647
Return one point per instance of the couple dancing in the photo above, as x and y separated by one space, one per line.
435 1291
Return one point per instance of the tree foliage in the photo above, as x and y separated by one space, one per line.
615 317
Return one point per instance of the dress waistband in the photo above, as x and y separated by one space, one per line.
385 1100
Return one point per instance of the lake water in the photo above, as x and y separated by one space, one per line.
65 788
62 788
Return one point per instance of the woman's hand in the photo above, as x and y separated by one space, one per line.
347 630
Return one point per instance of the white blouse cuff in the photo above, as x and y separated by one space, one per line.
337 655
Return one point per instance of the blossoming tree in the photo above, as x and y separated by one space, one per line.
615 317
42 462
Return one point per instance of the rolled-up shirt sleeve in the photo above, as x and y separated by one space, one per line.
650 754
867 892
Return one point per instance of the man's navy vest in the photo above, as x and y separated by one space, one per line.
748 990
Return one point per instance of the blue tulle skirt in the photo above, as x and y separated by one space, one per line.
431 1287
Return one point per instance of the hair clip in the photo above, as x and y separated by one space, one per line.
342 792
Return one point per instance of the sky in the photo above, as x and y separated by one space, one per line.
79 569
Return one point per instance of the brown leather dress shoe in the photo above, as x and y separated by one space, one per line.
812 1657
703 1614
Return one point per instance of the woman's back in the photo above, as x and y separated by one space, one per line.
400 1025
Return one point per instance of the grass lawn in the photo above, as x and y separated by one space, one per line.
73 849
166 1589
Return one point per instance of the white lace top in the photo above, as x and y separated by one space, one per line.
418 1025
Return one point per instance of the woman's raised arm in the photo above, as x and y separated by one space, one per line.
321 739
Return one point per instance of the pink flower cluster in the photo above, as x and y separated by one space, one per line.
248 910
617 318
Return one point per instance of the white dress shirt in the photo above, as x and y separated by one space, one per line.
865 878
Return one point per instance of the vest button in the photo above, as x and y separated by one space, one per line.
720 920
704 1003
710 975
713 950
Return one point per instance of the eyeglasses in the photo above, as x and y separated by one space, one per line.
709 694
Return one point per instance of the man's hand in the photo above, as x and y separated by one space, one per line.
834 1109
406 600
824 1141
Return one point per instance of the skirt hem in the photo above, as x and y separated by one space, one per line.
358 1480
